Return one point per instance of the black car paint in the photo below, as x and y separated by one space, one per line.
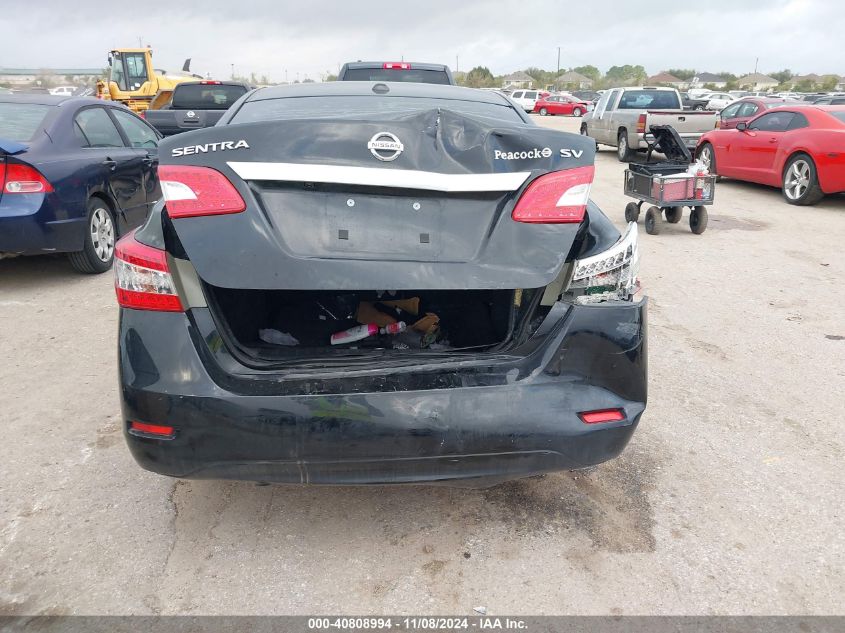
449 418
172 120
55 222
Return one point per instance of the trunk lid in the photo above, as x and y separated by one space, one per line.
416 201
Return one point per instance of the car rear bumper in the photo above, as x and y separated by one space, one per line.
454 422
30 225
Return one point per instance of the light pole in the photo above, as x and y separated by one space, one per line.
558 60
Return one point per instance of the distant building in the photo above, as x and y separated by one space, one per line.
27 76
702 79
516 80
666 79
757 82
573 81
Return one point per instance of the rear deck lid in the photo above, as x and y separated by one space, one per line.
414 201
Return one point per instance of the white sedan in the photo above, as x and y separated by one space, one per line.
718 100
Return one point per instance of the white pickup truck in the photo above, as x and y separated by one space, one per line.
622 118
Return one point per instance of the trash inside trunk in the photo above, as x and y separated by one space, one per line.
306 323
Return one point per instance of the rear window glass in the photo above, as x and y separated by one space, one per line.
413 75
654 99
20 121
838 115
206 97
357 106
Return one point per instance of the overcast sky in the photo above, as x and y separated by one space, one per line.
311 37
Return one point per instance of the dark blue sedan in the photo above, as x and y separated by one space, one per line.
75 173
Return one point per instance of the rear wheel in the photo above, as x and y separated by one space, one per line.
97 253
698 220
801 182
543 112
623 152
577 112
653 221
673 214
632 212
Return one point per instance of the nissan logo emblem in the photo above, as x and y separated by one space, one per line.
385 146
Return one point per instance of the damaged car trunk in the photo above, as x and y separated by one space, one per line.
356 283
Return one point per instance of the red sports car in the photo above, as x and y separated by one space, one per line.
800 148
747 108
561 104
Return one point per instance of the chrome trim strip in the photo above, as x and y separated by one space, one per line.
380 177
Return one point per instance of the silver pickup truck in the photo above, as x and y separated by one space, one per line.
622 117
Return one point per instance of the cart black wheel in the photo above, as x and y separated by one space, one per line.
632 212
698 220
653 221
673 214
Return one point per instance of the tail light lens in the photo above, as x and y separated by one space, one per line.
191 191
397 65
20 178
611 275
155 430
556 198
142 280
602 416
641 124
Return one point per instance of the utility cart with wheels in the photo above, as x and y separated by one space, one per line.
668 186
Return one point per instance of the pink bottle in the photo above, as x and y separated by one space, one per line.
357 333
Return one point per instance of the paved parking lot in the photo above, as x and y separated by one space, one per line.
725 501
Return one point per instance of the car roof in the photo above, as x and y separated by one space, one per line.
51 100
365 88
417 65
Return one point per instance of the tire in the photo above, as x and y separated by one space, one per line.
623 152
698 220
543 112
632 212
653 221
577 112
97 254
801 181
673 214
707 155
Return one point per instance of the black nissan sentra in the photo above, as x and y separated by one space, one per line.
361 282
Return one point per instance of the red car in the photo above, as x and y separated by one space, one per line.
800 148
561 104
747 108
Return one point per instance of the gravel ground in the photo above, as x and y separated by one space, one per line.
724 502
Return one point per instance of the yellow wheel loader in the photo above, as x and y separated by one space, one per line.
134 82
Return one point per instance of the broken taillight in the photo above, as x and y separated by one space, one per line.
559 197
142 280
190 191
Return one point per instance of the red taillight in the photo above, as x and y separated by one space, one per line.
142 280
19 178
556 198
397 65
641 124
191 191
602 416
211 83
142 428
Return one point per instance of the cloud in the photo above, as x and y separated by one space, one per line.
311 38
